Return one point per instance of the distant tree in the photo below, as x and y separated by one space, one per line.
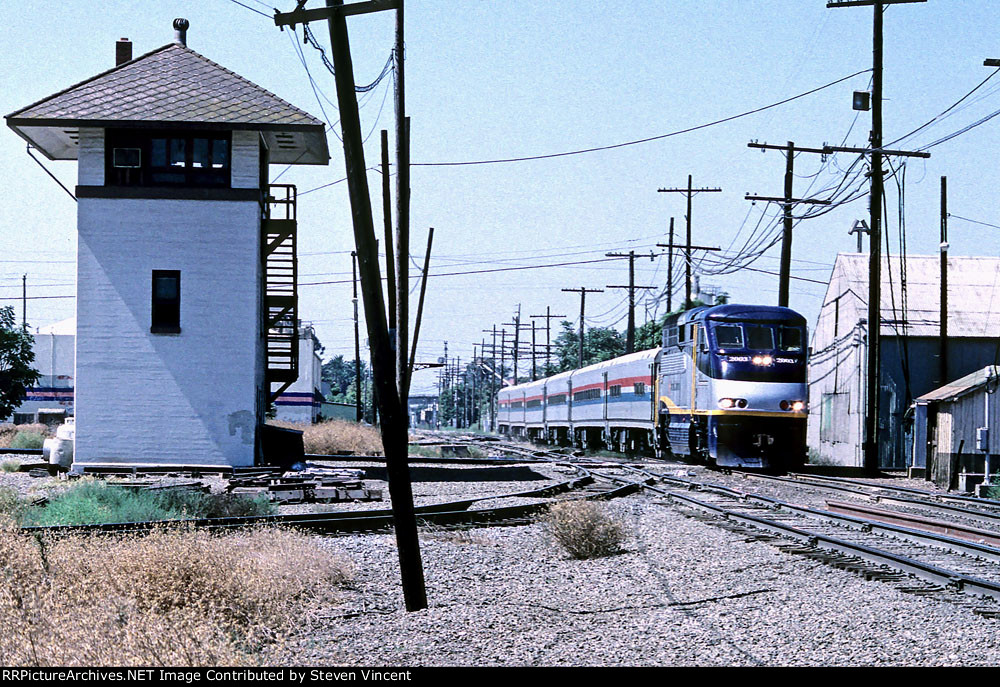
340 374
16 356
599 343
649 335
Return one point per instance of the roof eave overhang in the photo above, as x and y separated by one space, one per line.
52 136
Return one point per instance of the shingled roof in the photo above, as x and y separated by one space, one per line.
175 86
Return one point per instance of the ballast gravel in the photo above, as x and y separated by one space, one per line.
683 593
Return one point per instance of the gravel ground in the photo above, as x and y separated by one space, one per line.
509 596
683 593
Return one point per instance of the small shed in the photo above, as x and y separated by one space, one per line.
947 438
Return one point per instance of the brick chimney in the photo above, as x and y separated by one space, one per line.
123 51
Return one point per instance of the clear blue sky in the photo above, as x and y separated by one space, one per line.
489 80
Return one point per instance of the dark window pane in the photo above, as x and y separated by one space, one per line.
165 288
220 153
729 336
176 152
165 312
760 338
199 154
158 152
791 339
127 157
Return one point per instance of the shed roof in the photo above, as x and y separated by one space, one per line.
962 385
973 293
171 86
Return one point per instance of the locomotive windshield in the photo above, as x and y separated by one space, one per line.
729 336
758 337
755 351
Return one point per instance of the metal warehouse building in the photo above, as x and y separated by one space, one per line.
910 350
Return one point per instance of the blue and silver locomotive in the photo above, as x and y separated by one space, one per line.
727 386
732 386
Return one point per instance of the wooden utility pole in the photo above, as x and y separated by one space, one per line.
670 268
689 192
420 309
493 365
785 271
871 444
402 211
357 339
943 352
583 291
630 333
687 249
548 335
392 411
390 270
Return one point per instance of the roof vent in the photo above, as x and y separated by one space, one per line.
123 51
180 31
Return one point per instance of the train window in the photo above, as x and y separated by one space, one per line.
680 334
615 390
729 336
672 336
790 339
557 399
640 388
760 338
534 403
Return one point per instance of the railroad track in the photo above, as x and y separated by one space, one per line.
968 510
460 513
945 566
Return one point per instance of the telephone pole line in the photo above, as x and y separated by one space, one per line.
689 192
687 248
630 334
583 291
875 226
548 335
784 272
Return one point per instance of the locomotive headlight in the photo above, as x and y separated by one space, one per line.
798 405
762 360
726 403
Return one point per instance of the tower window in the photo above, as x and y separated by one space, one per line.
166 303
139 157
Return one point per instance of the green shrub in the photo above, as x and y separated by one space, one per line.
27 440
585 529
11 504
10 465
98 502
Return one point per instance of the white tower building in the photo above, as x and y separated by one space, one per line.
186 277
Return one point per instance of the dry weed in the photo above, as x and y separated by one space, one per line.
585 529
337 436
9 432
174 597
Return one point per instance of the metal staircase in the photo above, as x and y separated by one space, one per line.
280 287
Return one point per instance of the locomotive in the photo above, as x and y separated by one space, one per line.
727 387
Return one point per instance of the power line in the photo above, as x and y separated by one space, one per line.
641 140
